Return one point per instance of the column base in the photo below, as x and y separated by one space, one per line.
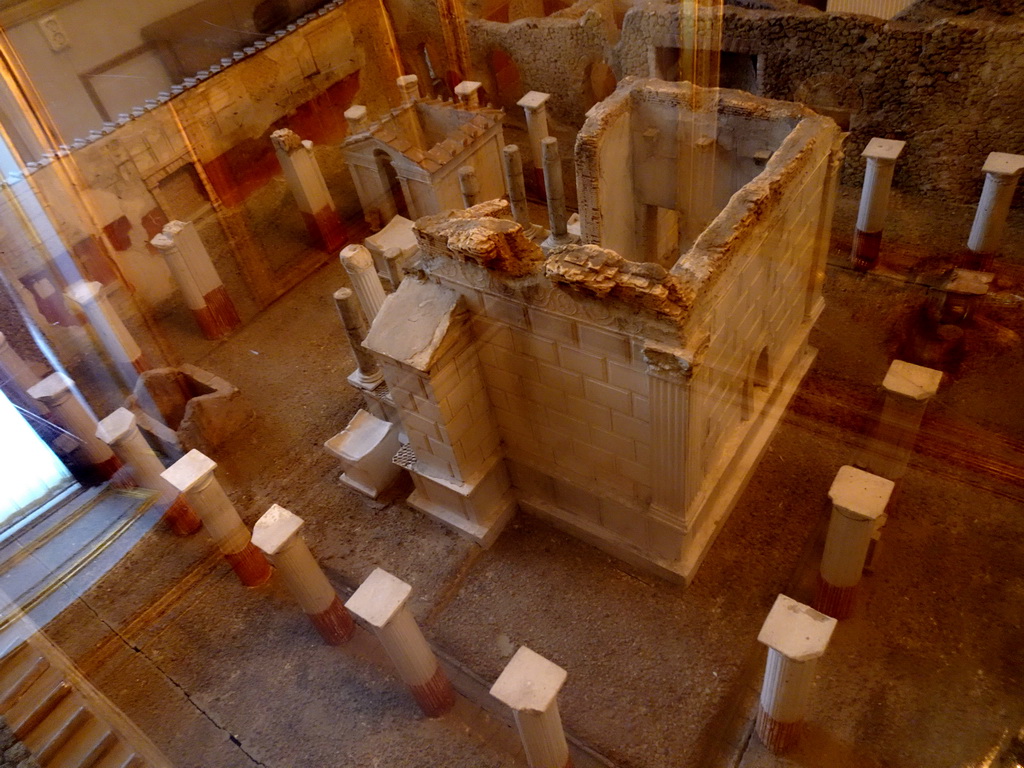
335 624
774 734
866 247
219 317
435 696
181 518
325 229
981 262
250 566
834 601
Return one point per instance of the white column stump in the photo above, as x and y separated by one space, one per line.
277 534
469 185
858 500
796 636
307 185
200 284
120 431
557 216
358 119
534 106
193 476
70 413
529 684
358 262
1002 171
381 601
111 331
367 375
881 155
908 388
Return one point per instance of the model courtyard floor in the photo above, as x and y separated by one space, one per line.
927 672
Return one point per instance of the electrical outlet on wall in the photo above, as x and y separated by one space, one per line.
54 33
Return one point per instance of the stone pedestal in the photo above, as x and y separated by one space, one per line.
70 413
858 510
193 476
120 431
307 185
366 448
534 105
357 119
881 155
1002 171
358 262
908 388
197 278
529 684
467 92
796 636
381 601
277 534
109 328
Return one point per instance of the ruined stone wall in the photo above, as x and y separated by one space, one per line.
947 88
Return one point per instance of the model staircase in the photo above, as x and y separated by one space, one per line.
61 719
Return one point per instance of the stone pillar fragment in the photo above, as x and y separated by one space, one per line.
381 601
858 509
306 182
512 162
557 216
469 185
529 684
467 92
367 374
908 388
197 278
70 413
358 262
796 636
193 476
1002 171
277 534
120 431
110 329
881 157
534 106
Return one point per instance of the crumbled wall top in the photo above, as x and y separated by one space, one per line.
484 234
603 273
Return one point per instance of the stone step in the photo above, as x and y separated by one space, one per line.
18 671
36 702
118 756
85 746
56 728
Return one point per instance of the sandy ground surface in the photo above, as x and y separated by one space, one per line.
927 672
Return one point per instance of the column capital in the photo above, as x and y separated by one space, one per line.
51 391
795 630
191 472
163 242
379 599
357 118
533 101
860 495
1003 167
84 292
883 150
914 382
276 530
529 682
467 92
117 426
